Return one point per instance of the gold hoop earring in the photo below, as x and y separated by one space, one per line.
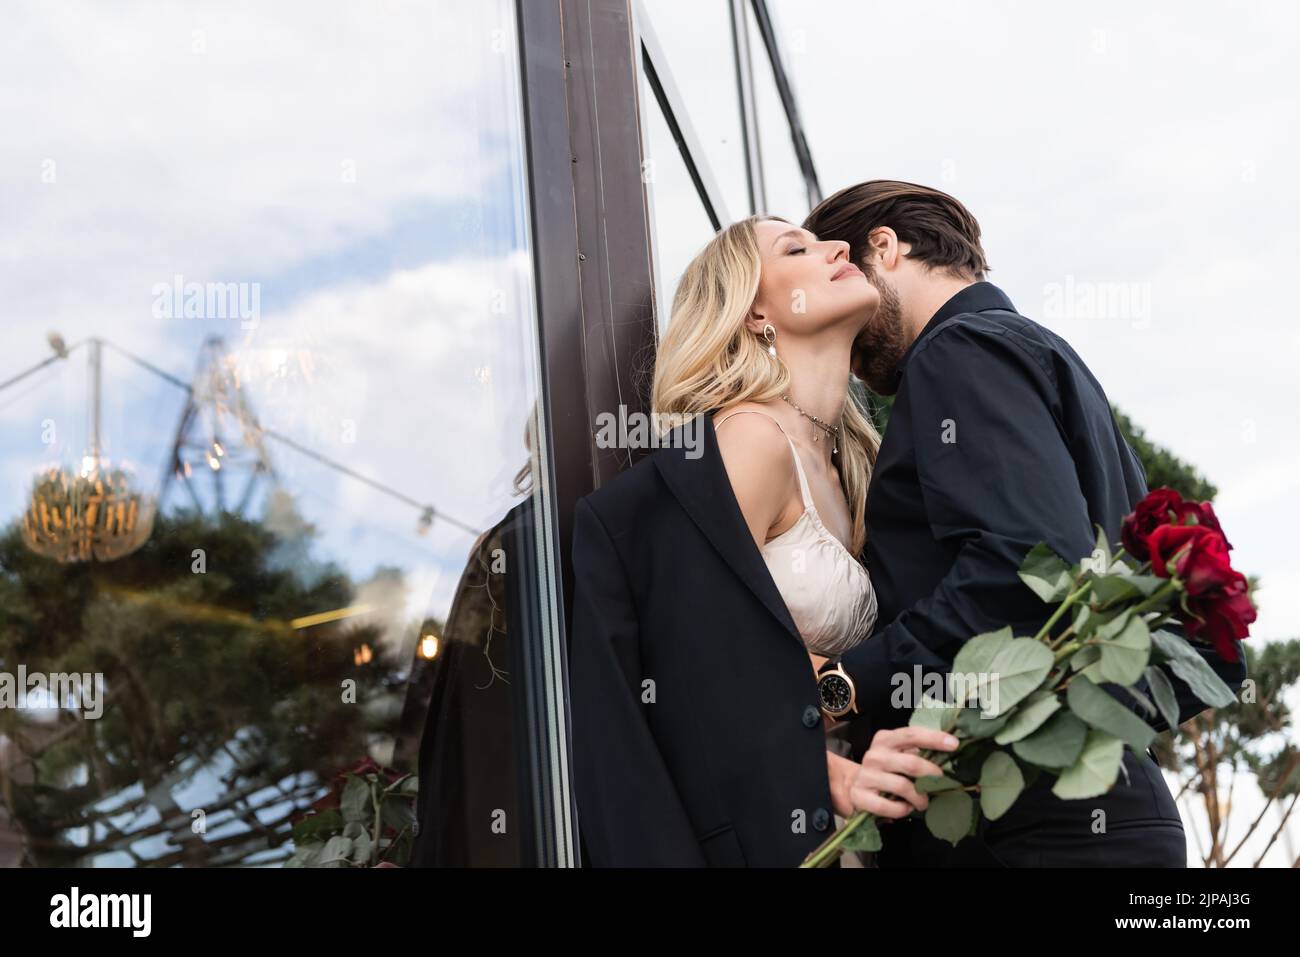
769 336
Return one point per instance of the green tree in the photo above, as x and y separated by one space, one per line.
209 692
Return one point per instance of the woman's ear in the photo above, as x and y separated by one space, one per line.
755 322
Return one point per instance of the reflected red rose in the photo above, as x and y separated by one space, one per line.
367 766
361 768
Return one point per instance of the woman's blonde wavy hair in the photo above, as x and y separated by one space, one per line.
707 360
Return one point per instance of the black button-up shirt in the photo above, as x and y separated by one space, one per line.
999 438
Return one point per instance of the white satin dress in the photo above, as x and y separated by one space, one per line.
827 590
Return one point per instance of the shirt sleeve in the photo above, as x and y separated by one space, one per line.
994 461
997 476
629 811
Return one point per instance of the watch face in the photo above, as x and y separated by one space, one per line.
835 693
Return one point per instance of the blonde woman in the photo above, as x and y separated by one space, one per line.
708 575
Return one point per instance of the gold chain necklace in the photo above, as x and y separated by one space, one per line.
832 430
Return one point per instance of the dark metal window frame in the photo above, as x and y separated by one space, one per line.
592 246
785 90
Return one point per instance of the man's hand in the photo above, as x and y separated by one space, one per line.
890 765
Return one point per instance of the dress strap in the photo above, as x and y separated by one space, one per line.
798 465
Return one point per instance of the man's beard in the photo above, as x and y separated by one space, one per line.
880 346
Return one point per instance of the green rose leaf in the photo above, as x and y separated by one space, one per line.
1056 744
1000 784
1147 585
320 827
1141 699
1101 554
361 850
336 852
1099 710
933 784
1111 627
1046 573
933 713
1028 718
949 815
1125 649
971 724
397 814
1016 672
978 652
1193 669
355 803
305 856
1162 690
1123 586
1093 674
1085 656
1084 620
865 837
971 666
1095 771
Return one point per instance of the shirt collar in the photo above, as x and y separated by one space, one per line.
978 297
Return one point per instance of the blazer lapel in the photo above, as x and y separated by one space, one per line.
702 487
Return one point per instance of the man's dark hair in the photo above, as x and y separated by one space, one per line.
941 231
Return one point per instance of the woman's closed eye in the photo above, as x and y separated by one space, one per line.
795 249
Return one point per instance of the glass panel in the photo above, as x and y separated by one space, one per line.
681 227
267 435
695 36
787 194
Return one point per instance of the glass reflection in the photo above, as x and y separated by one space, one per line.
680 226
696 39
787 192
271 282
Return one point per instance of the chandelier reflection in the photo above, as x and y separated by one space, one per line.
93 513
98 512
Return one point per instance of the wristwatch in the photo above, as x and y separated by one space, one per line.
835 691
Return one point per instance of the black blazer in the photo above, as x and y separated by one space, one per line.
697 740
999 438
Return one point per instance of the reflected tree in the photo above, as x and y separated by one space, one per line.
223 710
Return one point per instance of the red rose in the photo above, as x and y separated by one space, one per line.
1199 555
1221 617
1220 609
1160 507
1201 513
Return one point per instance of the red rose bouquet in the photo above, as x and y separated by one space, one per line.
1036 704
